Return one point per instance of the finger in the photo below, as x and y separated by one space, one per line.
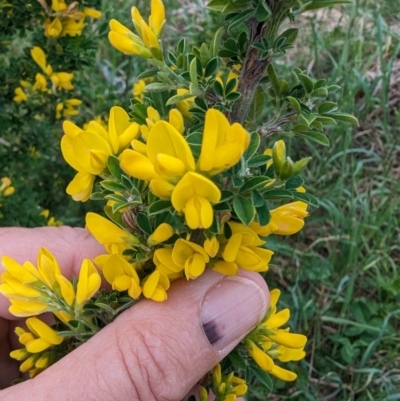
157 351
69 245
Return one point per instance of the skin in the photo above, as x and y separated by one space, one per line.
140 356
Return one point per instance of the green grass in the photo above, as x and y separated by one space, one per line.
341 274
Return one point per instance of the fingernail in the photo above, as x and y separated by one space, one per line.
231 309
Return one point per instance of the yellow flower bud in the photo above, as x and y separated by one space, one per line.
162 233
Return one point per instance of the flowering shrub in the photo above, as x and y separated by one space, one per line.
190 179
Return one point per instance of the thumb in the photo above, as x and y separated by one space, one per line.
156 351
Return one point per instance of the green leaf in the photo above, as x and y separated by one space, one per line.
278 194
159 206
254 183
273 77
308 118
211 67
180 49
97 196
226 195
262 377
257 106
294 182
219 90
143 223
112 186
158 87
205 55
348 118
310 199
257 199
258 160
148 73
114 167
215 43
262 11
263 215
307 83
118 206
217 5
178 98
295 104
290 35
193 72
315 5
222 207
230 86
233 96
237 360
115 197
314 136
320 92
239 18
244 209
253 146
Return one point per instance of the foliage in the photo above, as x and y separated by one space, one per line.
340 273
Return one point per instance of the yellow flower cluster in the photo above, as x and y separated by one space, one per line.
168 164
58 81
146 43
35 290
270 341
6 189
66 19
87 150
38 342
225 387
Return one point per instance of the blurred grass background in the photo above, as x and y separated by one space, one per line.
340 276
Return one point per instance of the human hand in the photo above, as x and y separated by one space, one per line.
154 351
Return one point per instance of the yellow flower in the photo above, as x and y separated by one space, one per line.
143 45
139 89
175 119
114 238
211 246
162 233
39 57
243 250
67 108
268 341
28 287
92 13
87 151
168 157
122 276
155 286
58 5
223 144
185 105
73 27
20 95
190 257
5 187
88 283
37 341
41 337
53 28
285 220
40 83
193 195
62 80
227 387
165 265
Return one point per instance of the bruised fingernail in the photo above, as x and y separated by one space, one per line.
231 309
